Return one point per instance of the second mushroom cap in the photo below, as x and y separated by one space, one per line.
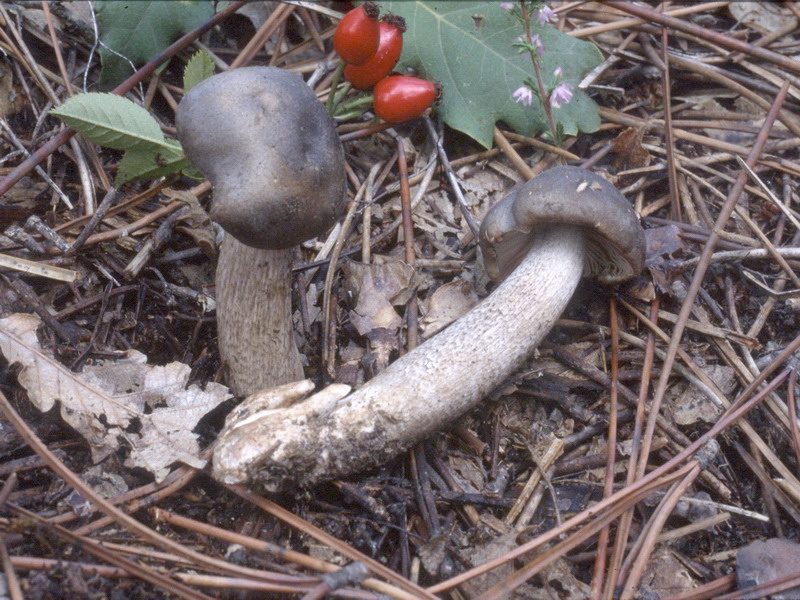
270 150
615 250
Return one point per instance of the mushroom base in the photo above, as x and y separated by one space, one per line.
254 317
324 437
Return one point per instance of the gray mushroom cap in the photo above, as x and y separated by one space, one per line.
615 249
270 150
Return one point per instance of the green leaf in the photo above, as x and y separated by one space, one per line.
134 31
467 46
199 67
110 121
151 162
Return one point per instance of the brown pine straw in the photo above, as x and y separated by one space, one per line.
702 267
45 564
165 516
712 589
671 352
790 400
611 454
505 588
634 472
270 26
659 475
93 547
128 522
615 23
56 141
765 589
638 557
12 581
718 38
290 518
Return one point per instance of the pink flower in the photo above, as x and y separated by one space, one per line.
562 94
507 6
523 95
545 15
538 45
559 72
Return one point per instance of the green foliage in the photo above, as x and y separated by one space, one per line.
150 163
138 30
199 67
118 123
111 121
467 46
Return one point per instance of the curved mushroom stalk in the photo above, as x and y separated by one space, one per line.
254 317
323 438
541 238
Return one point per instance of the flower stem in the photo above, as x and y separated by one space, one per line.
543 95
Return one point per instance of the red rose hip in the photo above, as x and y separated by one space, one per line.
400 98
385 58
357 36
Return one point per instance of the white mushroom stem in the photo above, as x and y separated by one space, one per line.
254 317
320 438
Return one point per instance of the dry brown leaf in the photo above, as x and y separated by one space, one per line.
448 303
560 582
375 289
663 244
148 407
766 560
628 150
764 17
693 405
665 575
11 100
433 552
467 473
195 222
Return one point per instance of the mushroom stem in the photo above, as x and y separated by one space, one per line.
320 438
254 317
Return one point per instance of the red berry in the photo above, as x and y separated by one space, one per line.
357 35
400 98
383 61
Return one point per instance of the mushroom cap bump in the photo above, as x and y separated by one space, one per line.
270 150
615 249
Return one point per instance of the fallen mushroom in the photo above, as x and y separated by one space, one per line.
275 161
539 240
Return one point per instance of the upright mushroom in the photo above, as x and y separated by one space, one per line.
275 161
538 240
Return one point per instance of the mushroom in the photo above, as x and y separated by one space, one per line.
539 241
272 154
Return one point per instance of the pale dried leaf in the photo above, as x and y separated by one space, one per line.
196 223
665 575
467 473
766 560
433 552
482 553
448 303
375 289
148 406
561 583
761 16
693 405
482 189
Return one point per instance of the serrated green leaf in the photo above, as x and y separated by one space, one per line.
199 68
467 46
136 31
111 121
149 163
